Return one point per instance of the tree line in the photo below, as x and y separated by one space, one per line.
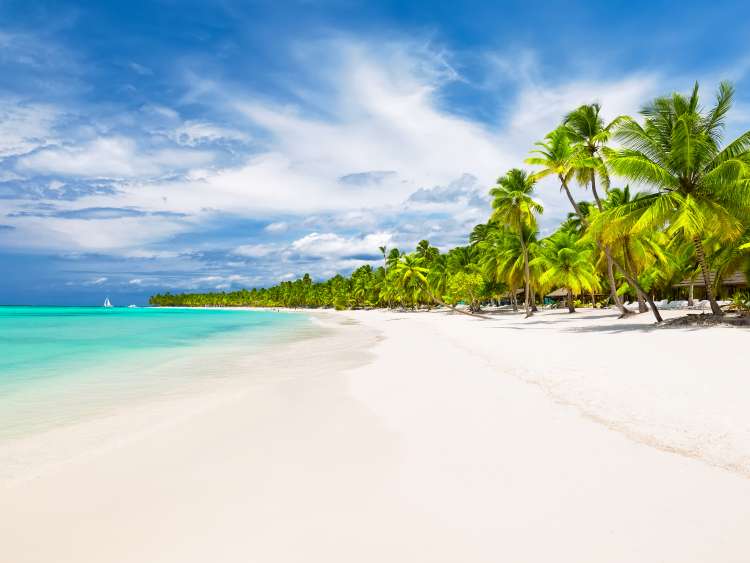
689 219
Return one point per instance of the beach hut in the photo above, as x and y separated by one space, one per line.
728 285
557 296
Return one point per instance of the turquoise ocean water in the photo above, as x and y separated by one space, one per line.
61 365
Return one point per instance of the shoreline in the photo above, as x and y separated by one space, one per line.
430 436
199 378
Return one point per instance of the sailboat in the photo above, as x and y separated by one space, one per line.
107 302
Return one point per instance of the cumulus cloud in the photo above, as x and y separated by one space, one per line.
332 245
466 191
363 153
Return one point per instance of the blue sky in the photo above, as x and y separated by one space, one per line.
167 145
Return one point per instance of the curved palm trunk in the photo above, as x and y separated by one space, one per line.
700 253
385 278
642 308
593 188
526 276
632 281
571 306
608 253
641 295
533 301
613 284
444 304
610 274
616 301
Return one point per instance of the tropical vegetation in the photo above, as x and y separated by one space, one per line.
689 220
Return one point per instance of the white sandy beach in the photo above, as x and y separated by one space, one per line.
424 437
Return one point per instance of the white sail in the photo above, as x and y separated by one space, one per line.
107 302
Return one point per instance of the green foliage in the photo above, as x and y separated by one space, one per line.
692 218
466 287
741 302
567 262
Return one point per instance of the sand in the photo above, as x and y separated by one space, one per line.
427 437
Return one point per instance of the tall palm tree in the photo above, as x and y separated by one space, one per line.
383 250
515 207
567 261
586 128
560 157
702 190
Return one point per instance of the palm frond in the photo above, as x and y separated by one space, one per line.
638 167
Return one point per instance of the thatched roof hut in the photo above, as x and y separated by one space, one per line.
560 293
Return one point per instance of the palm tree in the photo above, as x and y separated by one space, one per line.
566 261
426 252
439 275
560 157
586 128
515 208
501 260
383 250
701 189
637 252
480 233
411 274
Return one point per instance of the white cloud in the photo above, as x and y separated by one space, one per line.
278 227
111 157
121 236
332 245
25 127
369 148
254 250
385 116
